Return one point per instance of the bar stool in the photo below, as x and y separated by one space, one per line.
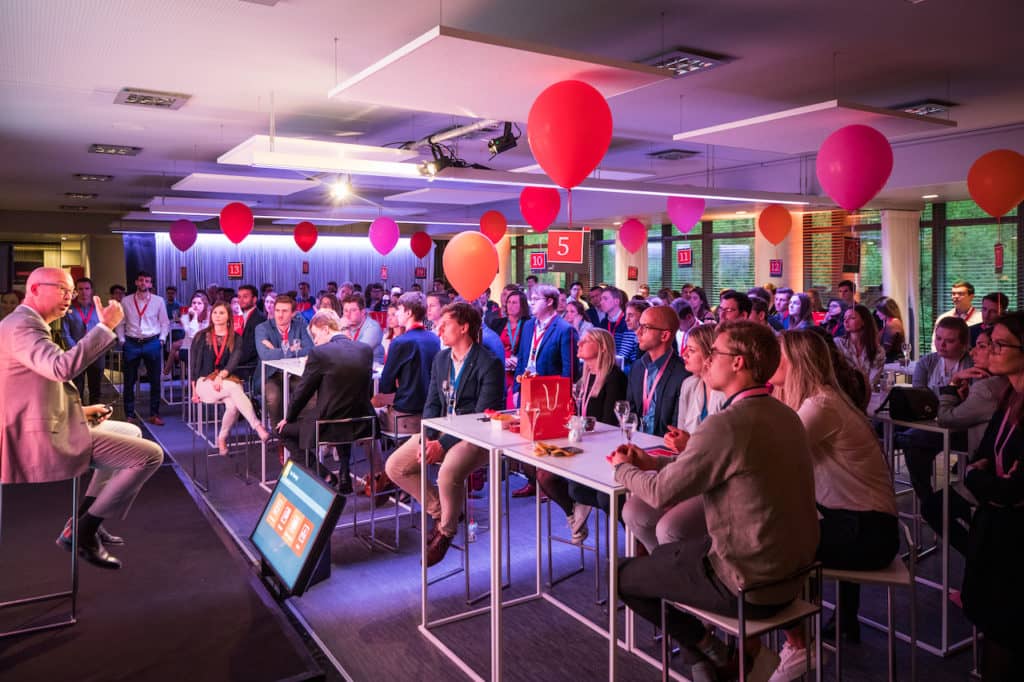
583 547
72 617
741 627
896 574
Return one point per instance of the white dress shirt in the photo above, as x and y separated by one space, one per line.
143 319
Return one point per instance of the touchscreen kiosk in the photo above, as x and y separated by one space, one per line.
294 529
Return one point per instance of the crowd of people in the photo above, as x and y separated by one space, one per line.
761 396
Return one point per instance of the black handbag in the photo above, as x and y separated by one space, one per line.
910 404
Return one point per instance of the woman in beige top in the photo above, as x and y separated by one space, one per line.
853 488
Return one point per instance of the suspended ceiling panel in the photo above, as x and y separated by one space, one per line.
459 197
295 153
496 78
243 184
800 130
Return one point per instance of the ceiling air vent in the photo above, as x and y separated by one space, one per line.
114 149
80 196
93 177
151 98
68 207
672 154
682 62
926 107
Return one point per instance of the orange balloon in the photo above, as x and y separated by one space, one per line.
470 263
775 223
996 181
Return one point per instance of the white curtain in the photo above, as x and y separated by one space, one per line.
901 266
276 259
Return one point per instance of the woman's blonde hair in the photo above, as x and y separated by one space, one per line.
704 336
810 368
605 357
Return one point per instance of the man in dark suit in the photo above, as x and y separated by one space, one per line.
477 379
548 347
339 371
248 298
45 434
80 319
656 378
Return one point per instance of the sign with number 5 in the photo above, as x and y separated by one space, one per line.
565 246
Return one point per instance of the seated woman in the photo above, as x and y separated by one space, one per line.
893 335
215 355
604 384
853 489
684 520
833 322
576 316
801 312
698 301
993 594
860 345
194 321
324 302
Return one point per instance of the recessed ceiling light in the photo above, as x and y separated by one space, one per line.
114 149
91 177
617 222
926 107
151 98
341 189
682 62
81 196
63 239
68 207
348 133
929 196
741 212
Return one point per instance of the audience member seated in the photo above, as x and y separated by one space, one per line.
893 335
859 527
10 300
860 345
324 302
687 321
697 402
835 317
604 384
801 312
575 315
406 375
655 380
393 329
935 371
732 305
992 306
362 328
752 465
595 315
698 301
436 302
340 372
249 301
510 330
214 360
758 311
613 302
477 379
778 319
993 594
285 328
195 320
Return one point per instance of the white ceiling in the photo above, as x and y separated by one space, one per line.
63 61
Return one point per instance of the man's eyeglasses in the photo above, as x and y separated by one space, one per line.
645 327
998 347
715 351
64 291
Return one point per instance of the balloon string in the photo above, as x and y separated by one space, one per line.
570 205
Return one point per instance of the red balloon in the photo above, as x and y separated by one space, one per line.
632 234
236 221
493 224
421 243
996 181
569 130
183 234
470 263
540 206
775 222
853 165
305 235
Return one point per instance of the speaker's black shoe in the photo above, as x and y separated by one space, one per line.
106 537
92 551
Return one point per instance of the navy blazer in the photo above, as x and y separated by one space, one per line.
556 355
666 395
481 387
407 369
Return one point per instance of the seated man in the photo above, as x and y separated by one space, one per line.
752 464
403 382
655 379
339 371
477 379
361 327
45 433
285 327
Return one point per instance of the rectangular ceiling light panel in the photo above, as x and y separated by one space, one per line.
498 78
319 156
457 197
243 184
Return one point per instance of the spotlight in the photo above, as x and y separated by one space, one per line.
341 189
439 162
504 143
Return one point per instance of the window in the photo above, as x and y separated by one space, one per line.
733 265
824 234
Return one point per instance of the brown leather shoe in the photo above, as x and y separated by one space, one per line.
155 420
437 548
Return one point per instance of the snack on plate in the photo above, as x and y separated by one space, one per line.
545 450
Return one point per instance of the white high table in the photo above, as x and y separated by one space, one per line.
589 468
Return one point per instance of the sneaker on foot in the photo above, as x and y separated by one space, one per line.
578 523
792 663
703 671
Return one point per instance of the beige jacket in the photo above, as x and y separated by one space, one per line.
44 436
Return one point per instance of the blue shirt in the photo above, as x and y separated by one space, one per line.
652 369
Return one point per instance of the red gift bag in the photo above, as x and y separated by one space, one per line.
553 396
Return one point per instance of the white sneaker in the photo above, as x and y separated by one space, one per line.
792 663
578 523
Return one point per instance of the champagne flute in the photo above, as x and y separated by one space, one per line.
629 425
621 411
285 348
296 346
579 391
905 355
446 388
533 411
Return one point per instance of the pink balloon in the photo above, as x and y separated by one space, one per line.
183 234
632 234
684 212
853 165
384 235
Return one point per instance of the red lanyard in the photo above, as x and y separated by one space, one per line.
135 300
355 336
538 336
649 394
1000 469
967 315
218 352
284 335
612 325
513 339
86 320
417 325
